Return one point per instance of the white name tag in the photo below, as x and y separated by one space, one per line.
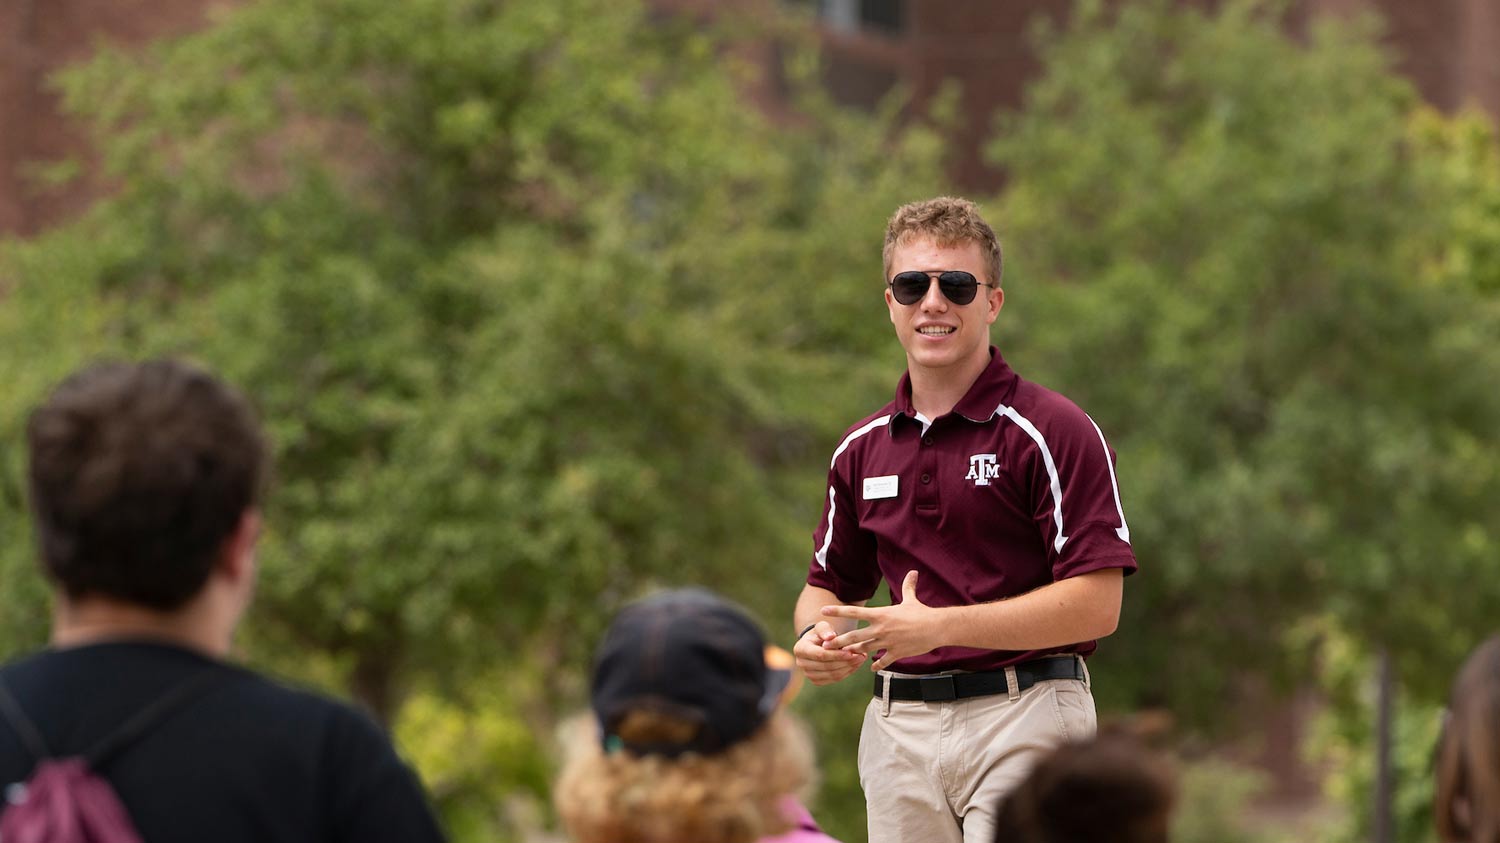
880 487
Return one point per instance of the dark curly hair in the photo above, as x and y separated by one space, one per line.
1112 788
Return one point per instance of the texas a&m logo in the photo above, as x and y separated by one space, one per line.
982 469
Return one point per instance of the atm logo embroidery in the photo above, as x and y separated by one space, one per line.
982 469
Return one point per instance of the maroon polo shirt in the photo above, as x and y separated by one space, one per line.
1012 490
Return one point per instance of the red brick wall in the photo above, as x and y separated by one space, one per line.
988 47
15 86
1450 49
985 46
38 37
1479 73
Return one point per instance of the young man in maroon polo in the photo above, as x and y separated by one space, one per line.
990 507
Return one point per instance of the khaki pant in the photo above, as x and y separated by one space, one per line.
935 772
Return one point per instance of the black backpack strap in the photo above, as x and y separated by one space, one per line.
31 737
148 717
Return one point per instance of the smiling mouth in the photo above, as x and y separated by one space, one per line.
935 330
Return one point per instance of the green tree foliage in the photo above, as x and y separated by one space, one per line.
1346 736
539 312
1229 251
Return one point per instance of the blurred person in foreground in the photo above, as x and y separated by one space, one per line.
1467 805
688 741
1112 789
145 485
989 506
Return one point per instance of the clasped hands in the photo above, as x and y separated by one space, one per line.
905 629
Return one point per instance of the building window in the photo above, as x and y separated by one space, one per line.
882 14
860 15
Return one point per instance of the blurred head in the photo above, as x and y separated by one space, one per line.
1112 789
1467 806
687 740
138 474
687 657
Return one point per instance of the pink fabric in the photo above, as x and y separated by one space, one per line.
806 830
66 803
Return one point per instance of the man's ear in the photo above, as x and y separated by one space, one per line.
237 557
997 301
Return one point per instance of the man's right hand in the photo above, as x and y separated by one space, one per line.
820 664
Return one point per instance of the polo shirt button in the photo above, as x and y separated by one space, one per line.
926 478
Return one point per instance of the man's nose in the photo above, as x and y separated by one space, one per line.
934 299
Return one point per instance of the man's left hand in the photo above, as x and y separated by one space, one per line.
902 630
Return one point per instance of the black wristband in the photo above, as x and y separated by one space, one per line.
805 630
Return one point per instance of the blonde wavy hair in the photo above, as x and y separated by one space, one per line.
734 796
949 221
1467 803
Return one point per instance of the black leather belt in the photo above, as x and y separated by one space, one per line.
957 686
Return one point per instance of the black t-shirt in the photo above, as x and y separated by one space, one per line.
245 760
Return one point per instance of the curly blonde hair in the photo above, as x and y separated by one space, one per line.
1467 803
734 796
948 220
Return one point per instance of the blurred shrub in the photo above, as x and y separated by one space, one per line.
1214 803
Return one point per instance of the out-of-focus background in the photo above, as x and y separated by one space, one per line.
548 303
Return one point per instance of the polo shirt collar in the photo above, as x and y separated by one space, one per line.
994 386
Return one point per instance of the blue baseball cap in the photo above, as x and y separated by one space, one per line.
695 657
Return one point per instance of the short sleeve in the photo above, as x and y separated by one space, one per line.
843 560
1077 498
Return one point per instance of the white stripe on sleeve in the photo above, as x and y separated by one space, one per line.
822 554
1123 531
844 445
1041 442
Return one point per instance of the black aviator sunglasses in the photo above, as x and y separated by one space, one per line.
960 287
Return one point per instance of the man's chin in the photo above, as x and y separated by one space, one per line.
933 358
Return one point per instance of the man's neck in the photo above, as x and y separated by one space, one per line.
935 392
95 620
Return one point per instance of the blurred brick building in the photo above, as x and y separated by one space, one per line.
37 37
1449 48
